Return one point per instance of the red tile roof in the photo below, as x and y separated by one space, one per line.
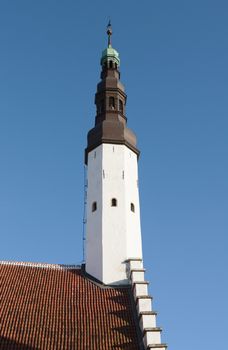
61 309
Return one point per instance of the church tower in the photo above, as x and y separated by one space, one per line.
113 233
87 315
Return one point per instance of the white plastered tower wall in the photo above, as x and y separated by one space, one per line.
113 233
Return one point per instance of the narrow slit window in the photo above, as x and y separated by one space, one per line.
94 206
102 106
114 202
132 207
121 106
111 102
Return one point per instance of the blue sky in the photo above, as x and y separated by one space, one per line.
174 58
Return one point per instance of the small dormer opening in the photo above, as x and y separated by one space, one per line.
111 102
121 106
94 206
114 202
132 207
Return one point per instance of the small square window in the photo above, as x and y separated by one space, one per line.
114 202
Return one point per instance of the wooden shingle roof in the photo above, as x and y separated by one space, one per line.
45 308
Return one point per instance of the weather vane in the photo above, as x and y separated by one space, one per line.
109 32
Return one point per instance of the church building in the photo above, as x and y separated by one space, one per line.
103 304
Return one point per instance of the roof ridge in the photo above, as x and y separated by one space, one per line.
41 265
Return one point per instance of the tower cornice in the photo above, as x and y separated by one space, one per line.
110 141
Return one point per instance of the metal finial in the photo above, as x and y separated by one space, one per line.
109 32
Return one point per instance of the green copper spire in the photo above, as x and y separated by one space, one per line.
110 55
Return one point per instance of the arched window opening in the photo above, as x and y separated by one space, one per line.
116 65
110 64
121 106
94 206
111 102
114 202
132 207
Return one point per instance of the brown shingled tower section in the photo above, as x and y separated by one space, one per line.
51 309
110 121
